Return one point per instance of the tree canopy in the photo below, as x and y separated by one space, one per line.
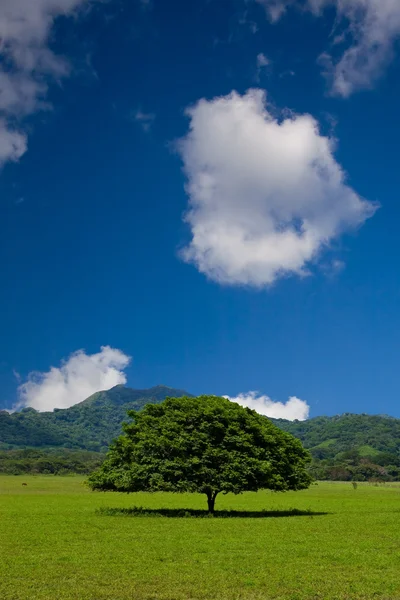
207 445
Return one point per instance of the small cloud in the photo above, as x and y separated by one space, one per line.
19 201
333 268
262 63
340 39
338 266
145 120
293 409
17 375
274 8
331 120
90 67
364 48
246 22
288 73
77 378
253 27
262 60
27 65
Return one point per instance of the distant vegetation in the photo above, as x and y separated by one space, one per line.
346 447
90 425
351 447
58 461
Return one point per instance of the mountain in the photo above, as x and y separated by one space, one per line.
343 447
89 425
351 447
329 437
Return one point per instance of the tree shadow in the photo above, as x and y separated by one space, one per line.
179 513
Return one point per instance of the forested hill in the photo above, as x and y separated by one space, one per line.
342 447
328 436
360 447
90 425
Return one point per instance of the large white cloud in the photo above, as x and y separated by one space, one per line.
26 65
365 47
75 380
293 409
265 196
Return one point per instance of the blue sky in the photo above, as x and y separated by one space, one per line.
209 188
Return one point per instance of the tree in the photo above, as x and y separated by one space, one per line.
207 445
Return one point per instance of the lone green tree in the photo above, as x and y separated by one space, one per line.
207 445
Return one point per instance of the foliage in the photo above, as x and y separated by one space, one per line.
351 447
341 446
343 432
55 544
57 461
207 445
90 425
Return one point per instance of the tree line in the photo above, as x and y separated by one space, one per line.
59 461
346 447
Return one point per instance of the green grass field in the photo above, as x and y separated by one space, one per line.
55 544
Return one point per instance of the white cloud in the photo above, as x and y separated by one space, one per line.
146 120
75 380
262 60
262 63
371 30
275 8
293 409
27 63
265 196
374 26
12 143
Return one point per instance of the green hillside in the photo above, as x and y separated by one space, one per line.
90 425
343 447
350 446
328 436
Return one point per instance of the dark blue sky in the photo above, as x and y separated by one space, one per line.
92 224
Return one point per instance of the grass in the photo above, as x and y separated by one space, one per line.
327 443
368 451
58 541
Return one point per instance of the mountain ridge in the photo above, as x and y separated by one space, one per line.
347 441
90 425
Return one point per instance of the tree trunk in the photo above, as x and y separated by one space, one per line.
211 501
